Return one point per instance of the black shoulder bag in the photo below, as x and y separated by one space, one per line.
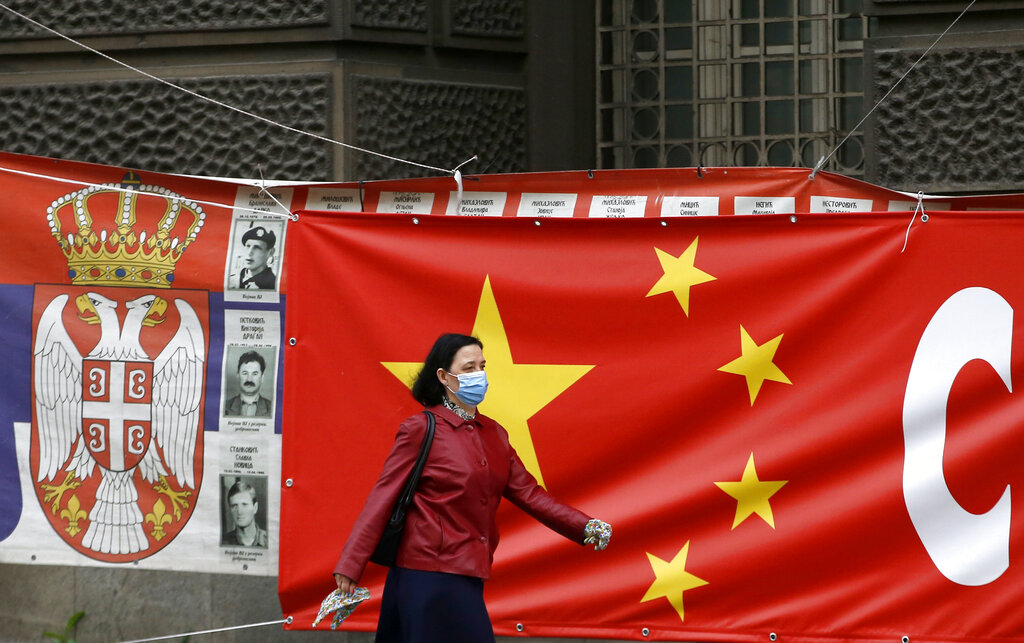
387 549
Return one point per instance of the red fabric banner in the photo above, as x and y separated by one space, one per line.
794 427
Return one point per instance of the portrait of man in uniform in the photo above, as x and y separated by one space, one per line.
258 251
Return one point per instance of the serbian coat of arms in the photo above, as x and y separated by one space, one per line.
118 373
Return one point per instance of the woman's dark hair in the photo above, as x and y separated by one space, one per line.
427 390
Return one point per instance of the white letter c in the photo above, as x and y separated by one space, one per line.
969 549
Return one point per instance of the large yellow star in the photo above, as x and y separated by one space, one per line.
755 363
680 275
671 579
517 391
752 495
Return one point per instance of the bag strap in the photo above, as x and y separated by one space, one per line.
398 515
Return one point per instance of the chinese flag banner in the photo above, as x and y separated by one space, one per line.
794 427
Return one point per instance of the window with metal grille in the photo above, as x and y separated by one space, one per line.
729 82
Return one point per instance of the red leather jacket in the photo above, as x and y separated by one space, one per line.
450 525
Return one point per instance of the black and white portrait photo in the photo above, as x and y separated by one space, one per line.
244 514
255 254
249 382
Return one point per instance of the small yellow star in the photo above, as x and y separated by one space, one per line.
517 391
680 275
671 579
752 495
755 363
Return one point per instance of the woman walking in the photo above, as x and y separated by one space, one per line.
434 592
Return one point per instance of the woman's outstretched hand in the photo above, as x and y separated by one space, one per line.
345 584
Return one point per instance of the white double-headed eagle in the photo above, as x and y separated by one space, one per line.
115 519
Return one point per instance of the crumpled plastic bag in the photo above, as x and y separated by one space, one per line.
597 533
341 604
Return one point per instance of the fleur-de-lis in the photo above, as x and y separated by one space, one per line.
159 518
73 514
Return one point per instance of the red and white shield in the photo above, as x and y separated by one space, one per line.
117 413
111 477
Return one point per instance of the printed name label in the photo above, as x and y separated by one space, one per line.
829 204
910 206
765 205
477 204
406 202
251 198
617 207
689 206
336 200
547 205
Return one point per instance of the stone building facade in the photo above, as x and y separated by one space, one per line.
435 81
954 124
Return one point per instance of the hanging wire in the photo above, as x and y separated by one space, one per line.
824 159
265 190
225 105
913 217
214 631
119 188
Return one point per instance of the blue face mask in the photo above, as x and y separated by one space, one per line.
472 387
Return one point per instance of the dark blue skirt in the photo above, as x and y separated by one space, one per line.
432 607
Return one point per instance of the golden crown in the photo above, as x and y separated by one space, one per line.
122 256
